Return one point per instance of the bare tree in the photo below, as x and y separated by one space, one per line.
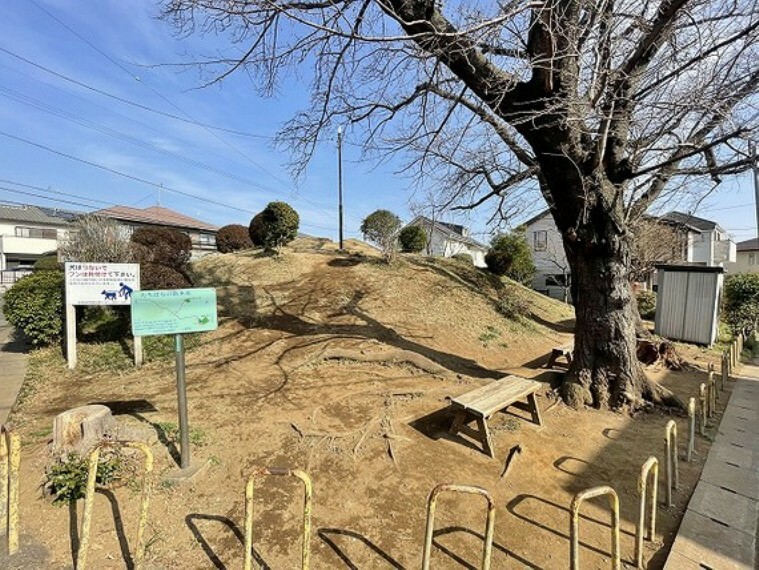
602 105
655 241
96 239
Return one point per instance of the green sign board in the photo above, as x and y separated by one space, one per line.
173 311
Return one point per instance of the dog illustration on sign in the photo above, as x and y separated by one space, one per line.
109 295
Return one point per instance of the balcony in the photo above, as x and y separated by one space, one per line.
27 246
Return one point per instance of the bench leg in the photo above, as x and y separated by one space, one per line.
569 359
551 359
487 441
534 409
457 422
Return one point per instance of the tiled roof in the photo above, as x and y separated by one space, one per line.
690 220
28 214
157 215
748 245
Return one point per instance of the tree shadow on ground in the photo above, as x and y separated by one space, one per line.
329 536
191 521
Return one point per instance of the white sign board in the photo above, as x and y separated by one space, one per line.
101 283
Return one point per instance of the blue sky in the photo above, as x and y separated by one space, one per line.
233 175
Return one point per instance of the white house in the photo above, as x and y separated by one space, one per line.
28 233
704 243
747 257
445 240
714 247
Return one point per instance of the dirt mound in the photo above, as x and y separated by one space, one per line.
448 313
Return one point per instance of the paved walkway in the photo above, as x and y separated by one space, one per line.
719 528
12 367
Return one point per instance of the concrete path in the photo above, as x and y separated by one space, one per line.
12 367
719 528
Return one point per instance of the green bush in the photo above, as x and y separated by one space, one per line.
34 305
48 263
464 257
510 255
233 237
741 301
275 226
163 246
413 239
381 227
646 304
66 478
158 276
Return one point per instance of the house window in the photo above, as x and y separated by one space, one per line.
752 259
539 240
558 280
207 239
22 231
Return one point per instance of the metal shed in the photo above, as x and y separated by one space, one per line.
687 302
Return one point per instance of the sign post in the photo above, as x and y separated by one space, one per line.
102 284
176 312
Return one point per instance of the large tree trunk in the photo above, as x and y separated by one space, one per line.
605 371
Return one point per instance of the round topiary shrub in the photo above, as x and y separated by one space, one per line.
646 304
157 276
413 239
498 261
48 263
275 226
161 245
233 237
34 305
464 257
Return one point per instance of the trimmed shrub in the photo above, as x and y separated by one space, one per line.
158 276
34 305
48 263
463 257
413 239
381 227
646 304
275 226
741 301
510 255
233 237
164 246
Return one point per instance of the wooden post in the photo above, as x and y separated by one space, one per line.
138 351
71 335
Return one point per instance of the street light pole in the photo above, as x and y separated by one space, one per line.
340 182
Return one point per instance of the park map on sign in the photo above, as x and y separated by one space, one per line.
173 312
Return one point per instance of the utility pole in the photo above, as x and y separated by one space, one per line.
755 169
340 181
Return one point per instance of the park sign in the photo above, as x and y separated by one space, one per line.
101 283
175 311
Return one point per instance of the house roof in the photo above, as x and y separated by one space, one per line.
536 217
29 214
700 224
157 215
453 231
748 245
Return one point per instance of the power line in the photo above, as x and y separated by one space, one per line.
128 101
51 189
156 92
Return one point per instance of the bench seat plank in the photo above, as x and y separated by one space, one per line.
488 399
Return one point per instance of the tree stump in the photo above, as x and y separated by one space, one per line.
80 429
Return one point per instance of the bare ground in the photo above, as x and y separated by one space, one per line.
340 367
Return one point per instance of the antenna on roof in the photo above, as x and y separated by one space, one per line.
160 191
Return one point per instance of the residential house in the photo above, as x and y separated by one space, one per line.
28 233
714 247
700 241
202 234
445 240
746 258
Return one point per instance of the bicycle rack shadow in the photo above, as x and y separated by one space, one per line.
479 536
190 521
324 534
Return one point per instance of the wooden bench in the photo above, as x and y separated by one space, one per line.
480 404
563 351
